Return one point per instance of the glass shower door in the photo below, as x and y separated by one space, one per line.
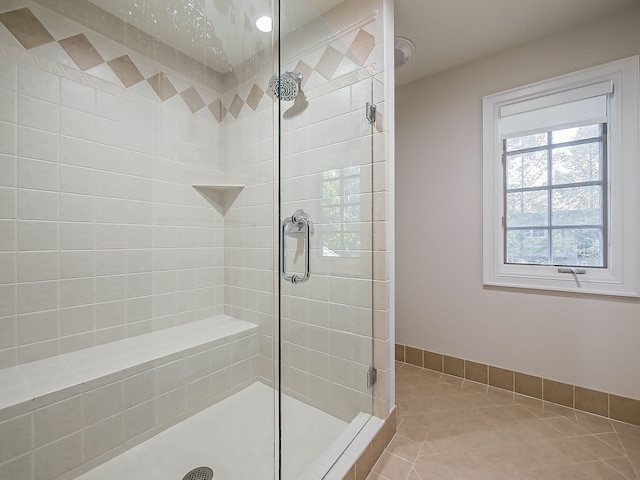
326 212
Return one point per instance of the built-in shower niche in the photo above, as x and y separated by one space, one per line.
221 196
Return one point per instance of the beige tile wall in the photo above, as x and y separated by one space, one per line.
327 323
247 143
587 400
74 429
110 239
133 137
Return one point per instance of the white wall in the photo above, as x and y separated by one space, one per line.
589 341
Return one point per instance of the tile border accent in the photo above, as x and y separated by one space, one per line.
579 398
84 55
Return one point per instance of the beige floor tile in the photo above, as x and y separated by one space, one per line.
435 390
565 472
572 450
432 467
626 429
559 410
622 466
478 400
469 463
452 380
450 429
597 447
528 402
540 412
498 415
392 467
404 448
541 430
408 370
521 457
418 381
499 397
634 459
413 475
498 476
404 391
375 476
566 427
469 386
442 441
413 431
601 470
630 444
593 423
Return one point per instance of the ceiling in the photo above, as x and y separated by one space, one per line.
219 33
448 33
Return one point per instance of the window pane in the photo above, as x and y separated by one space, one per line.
352 213
575 133
523 247
527 170
578 247
578 163
529 141
351 241
352 186
527 209
577 206
331 214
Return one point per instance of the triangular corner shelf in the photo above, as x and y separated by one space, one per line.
219 196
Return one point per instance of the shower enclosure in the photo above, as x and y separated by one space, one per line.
189 199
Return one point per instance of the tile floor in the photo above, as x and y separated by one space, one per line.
450 429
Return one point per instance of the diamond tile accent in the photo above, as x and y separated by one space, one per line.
362 46
162 86
329 62
27 29
306 71
256 94
31 33
81 51
218 110
236 106
126 70
193 99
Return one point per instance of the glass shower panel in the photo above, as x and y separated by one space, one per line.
325 87
143 280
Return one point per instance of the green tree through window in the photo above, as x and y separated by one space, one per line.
341 213
554 184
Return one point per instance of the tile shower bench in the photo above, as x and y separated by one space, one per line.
64 415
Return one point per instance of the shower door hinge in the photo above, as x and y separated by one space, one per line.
371 113
372 377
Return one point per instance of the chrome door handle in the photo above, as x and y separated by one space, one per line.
299 222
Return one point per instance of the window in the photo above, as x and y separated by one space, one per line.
341 212
554 182
562 181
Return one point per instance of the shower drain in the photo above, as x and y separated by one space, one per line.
200 473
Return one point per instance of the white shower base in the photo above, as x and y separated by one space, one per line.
235 437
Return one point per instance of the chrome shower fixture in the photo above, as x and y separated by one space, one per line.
286 86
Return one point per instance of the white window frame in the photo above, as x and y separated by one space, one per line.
622 275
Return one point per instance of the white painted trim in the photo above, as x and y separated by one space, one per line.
622 277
